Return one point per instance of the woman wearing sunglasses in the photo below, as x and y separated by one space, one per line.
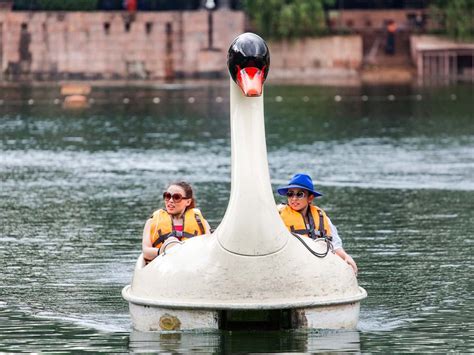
303 218
180 220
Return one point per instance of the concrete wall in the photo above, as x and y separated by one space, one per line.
333 56
151 45
406 19
109 45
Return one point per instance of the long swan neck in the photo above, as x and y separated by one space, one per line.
251 225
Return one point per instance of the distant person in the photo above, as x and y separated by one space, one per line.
130 5
419 22
391 30
179 221
302 217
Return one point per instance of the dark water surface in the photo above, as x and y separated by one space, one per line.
77 186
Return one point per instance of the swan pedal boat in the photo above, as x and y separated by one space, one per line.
245 274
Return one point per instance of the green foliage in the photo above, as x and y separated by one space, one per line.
56 5
456 16
288 18
68 5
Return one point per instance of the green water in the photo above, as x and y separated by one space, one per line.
77 186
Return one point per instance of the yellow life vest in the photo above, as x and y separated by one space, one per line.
162 226
318 222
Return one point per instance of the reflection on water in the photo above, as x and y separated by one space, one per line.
78 185
238 342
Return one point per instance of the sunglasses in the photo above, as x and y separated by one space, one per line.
177 197
299 195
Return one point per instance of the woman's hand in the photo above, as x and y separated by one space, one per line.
348 259
352 263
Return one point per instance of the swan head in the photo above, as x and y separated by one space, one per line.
248 61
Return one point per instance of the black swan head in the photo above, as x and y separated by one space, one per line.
248 61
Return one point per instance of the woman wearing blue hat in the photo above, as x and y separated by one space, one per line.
303 218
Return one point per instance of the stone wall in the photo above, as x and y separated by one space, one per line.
115 45
369 20
151 45
333 56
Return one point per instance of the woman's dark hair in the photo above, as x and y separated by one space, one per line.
188 192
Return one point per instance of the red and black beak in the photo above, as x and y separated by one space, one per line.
248 61
250 80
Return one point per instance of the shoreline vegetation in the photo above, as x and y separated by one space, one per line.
277 19
311 43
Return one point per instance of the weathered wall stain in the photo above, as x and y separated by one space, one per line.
25 40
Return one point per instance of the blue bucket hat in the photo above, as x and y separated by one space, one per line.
299 181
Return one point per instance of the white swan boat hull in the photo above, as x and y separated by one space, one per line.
215 284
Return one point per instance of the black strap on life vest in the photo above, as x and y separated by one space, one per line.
317 236
304 231
161 238
189 235
199 222
300 231
175 234
311 232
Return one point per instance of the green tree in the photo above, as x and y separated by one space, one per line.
288 18
457 16
55 5
68 5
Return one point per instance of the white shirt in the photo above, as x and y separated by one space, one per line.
336 239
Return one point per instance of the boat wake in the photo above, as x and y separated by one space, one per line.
376 320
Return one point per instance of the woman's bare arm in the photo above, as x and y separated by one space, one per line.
149 252
347 258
